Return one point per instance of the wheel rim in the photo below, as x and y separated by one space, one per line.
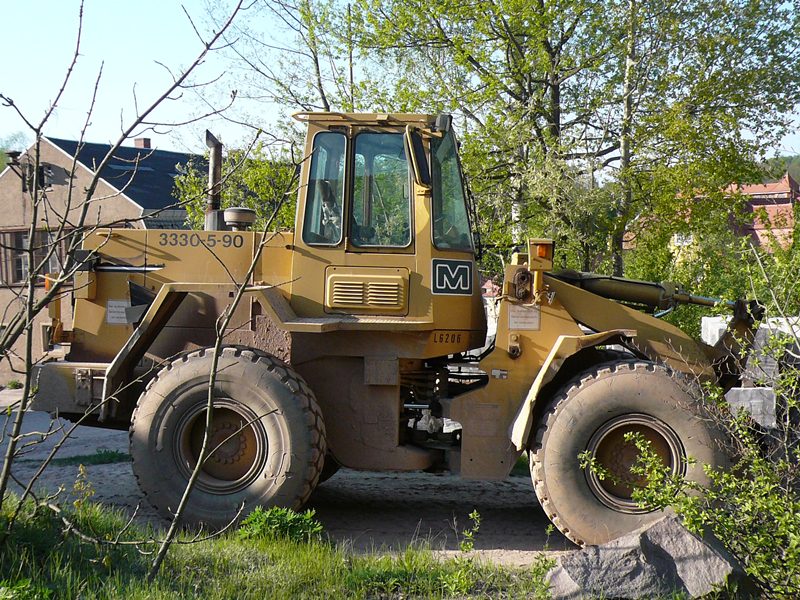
238 444
614 454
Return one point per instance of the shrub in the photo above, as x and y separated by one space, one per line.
753 508
282 523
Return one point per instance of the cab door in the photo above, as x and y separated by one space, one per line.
355 251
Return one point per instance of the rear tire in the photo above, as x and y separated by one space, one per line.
592 413
266 424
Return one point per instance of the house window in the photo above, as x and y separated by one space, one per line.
45 177
15 264
682 240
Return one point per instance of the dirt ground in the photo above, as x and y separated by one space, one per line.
367 511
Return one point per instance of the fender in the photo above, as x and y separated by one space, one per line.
565 346
158 314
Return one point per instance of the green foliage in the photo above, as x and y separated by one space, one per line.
544 92
262 180
713 260
82 488
14 384
277 522
23 589
543 95
467 542
776 168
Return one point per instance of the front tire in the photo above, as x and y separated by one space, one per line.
266 426
593 412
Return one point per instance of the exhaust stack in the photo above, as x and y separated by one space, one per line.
214 219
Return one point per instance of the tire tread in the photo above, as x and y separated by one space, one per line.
288 376
551 412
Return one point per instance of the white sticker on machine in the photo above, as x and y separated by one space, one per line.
115 312
525 317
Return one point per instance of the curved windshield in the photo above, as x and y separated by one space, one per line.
450 221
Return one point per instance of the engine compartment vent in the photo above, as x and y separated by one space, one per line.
359 290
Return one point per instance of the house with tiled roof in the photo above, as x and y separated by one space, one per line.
773 207
135 189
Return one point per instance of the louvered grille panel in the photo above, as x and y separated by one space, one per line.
364 291
383 294
348 293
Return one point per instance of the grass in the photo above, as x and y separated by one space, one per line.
39 560
101 457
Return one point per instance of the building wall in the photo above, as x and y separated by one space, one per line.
773 221
107 206
773 206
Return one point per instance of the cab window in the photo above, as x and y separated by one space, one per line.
322 222
451 228
381 215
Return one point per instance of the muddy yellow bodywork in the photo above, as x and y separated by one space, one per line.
362 322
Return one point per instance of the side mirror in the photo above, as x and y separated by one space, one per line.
419 162
444 122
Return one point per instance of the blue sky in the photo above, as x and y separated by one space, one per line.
128 38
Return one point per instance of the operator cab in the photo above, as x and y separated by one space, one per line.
383 228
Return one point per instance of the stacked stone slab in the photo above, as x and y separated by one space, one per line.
757 395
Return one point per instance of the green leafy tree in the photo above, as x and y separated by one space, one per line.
628 96
776 168
256 179
579 120
526 80
706 90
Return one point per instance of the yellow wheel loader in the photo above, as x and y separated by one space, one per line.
357 345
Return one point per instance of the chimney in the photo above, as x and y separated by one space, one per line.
142 142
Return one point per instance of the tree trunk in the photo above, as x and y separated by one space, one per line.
626 195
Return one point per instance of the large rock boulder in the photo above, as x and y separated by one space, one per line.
653 562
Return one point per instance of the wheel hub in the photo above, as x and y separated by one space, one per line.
228 442
616 455
236 450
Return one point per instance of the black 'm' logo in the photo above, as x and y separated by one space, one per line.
452 277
